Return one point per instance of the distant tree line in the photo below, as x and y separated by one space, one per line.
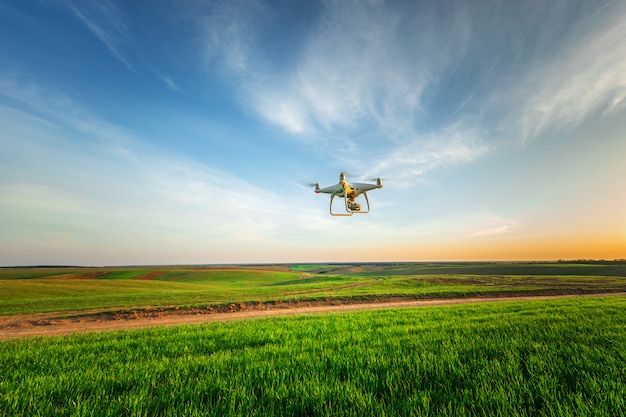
593 261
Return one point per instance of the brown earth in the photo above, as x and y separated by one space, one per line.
53 324
151 275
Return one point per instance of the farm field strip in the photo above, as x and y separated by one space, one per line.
69 290
51 325
179 288
560 357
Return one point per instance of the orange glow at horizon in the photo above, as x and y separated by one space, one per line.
529 249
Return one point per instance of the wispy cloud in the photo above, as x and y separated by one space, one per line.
229 32
365 68
457 144
395 78
169 82
580 77
492 226
81 182
105 20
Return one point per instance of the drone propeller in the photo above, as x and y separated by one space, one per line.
353 176
311 184
378 181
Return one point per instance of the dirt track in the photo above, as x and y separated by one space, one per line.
52 324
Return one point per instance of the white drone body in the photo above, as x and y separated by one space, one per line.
350 192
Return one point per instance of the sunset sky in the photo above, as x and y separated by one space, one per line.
187 132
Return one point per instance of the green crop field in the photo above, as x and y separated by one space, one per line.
38 290
524 358
70 290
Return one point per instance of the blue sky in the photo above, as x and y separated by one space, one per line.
176 132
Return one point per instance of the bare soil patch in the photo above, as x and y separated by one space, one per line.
51 324
152 275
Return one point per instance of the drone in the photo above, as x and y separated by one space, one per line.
350 192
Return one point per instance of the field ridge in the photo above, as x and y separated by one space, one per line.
62 324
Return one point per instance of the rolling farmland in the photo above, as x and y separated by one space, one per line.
72 290
541 357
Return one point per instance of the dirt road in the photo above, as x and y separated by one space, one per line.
53 324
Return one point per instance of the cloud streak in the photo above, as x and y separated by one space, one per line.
363 65
76 181
584 78
169 82
376 74
105 20
229 33
450 147
360 78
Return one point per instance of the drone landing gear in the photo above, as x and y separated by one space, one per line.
351 206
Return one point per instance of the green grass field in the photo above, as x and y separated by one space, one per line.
522 358
37 290
556 358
